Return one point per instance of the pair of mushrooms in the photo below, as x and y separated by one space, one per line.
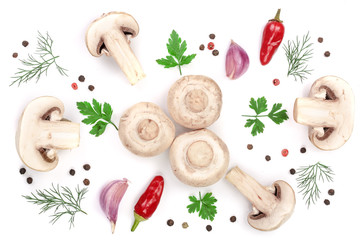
198 158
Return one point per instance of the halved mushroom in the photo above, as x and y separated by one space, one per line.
110 35
199 158
145 129
272 206
328 111
195 101
42 131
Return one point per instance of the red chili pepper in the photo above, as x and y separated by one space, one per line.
272 36
148 202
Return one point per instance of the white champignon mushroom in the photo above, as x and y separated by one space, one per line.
199 158
42 131
195 101
110 35
145 130
272 206
328 111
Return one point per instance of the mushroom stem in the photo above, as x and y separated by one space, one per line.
117 45
316 112
58 135
262 199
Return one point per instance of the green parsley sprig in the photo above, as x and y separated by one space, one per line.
96 114
62 200
308 179
260 106
204 205
176 48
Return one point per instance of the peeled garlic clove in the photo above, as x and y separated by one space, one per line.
237 61
110 198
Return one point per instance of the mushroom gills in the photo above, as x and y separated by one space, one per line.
260 214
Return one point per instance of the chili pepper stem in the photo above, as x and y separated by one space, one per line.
138 219
277 16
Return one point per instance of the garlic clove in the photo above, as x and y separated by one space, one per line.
237 61
110 198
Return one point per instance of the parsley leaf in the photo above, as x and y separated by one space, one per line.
95 114
176 48
205 206
260 106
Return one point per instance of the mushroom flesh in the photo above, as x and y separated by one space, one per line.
272 206
42 131
328 111
195 101
199 158
110 35
145 129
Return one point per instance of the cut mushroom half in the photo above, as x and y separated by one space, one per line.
328 111
42 131
110 35
272 206
195 101
199 158
145 130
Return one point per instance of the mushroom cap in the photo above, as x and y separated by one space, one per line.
281 210
333 99
195 101
106 24
145 130
199 158
40 133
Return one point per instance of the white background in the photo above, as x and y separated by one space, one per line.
243 21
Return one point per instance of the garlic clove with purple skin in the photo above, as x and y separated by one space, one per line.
237 61
110 198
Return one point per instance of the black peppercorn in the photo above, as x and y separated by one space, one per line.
86 182
15 55
72 172
327 202
232 219
250 146
91 87
208 228
292 171
303 150
170 222
267 158
215 52
86 167
22 171
327 54
212 36
81 78
29 180
331 192
25 43
202 47
320 39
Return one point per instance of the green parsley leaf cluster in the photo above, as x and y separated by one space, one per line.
204 205
176 48
97 114
260 106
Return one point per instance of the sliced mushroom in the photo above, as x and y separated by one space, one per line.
145 129
195 101
272 206
110 35
199 158
328 111
42 131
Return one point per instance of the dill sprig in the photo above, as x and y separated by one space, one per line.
298 54
62 200
36 67
308 181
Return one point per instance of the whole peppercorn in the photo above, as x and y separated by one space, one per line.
208 228
331 192
320 39
22 171
284 152
212 36
72 172
202 47
215 52
327 202
327 54
86 182
25 43
267 158
292 171
185 225
211 46
74 86
81 78
29 180
232 219
170 222
303 150
86 167
276 82
15 55
250 146
91 87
